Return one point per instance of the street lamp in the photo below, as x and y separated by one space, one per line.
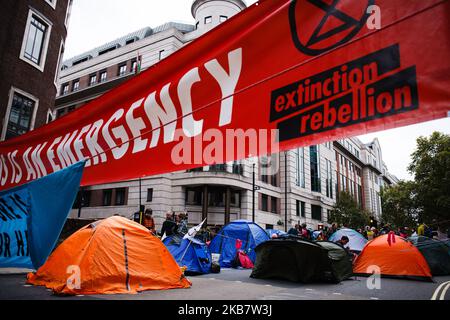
254 187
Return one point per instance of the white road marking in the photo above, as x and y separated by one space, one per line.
436 292
373 298
337 293
268 285
444 291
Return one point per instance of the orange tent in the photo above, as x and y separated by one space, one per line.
395 257
110 256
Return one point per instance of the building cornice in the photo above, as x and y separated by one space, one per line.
197 3
347 153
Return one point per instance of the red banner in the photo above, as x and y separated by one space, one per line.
315 70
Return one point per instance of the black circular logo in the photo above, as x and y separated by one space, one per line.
316 40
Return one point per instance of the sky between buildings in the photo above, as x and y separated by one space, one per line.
94 23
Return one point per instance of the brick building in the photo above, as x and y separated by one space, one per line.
32 44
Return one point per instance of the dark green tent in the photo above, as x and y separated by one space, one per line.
301 261
435 252
340 261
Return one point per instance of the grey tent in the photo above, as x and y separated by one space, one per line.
435 252
301 261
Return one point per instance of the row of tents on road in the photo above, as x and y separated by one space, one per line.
117 255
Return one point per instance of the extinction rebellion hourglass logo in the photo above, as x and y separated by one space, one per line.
371 87
335 27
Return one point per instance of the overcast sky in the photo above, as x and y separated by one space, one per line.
94 23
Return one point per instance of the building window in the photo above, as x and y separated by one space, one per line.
107 197
92 79
235 200
316 212
103 76
300 164
223 18
300 209
208 20
36 38
274 205
161 55
315 168
122 69
329 180
52 3
120 196
150 195
65 89
216 197
83 199
237 168
264 202
76 85
194 196
134 65
50 116
21 115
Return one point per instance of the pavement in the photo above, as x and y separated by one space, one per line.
232 284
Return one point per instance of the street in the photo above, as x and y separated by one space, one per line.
233 284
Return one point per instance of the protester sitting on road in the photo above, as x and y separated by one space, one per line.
305 232
149 222
169 226
294 231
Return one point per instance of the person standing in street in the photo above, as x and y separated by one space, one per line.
149 222
183 223
169 226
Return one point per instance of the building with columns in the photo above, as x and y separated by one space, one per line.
304 189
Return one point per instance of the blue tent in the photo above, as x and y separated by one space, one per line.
191 253
33 215
356 239
271 232
224 243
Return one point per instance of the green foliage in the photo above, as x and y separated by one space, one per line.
348 213
399 207
431 169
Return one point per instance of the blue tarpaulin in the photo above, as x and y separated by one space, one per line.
271 232
33 215
224 243
190 253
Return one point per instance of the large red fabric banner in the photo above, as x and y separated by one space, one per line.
315 70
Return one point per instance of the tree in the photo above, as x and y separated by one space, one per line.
398 203
347 212
431 169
